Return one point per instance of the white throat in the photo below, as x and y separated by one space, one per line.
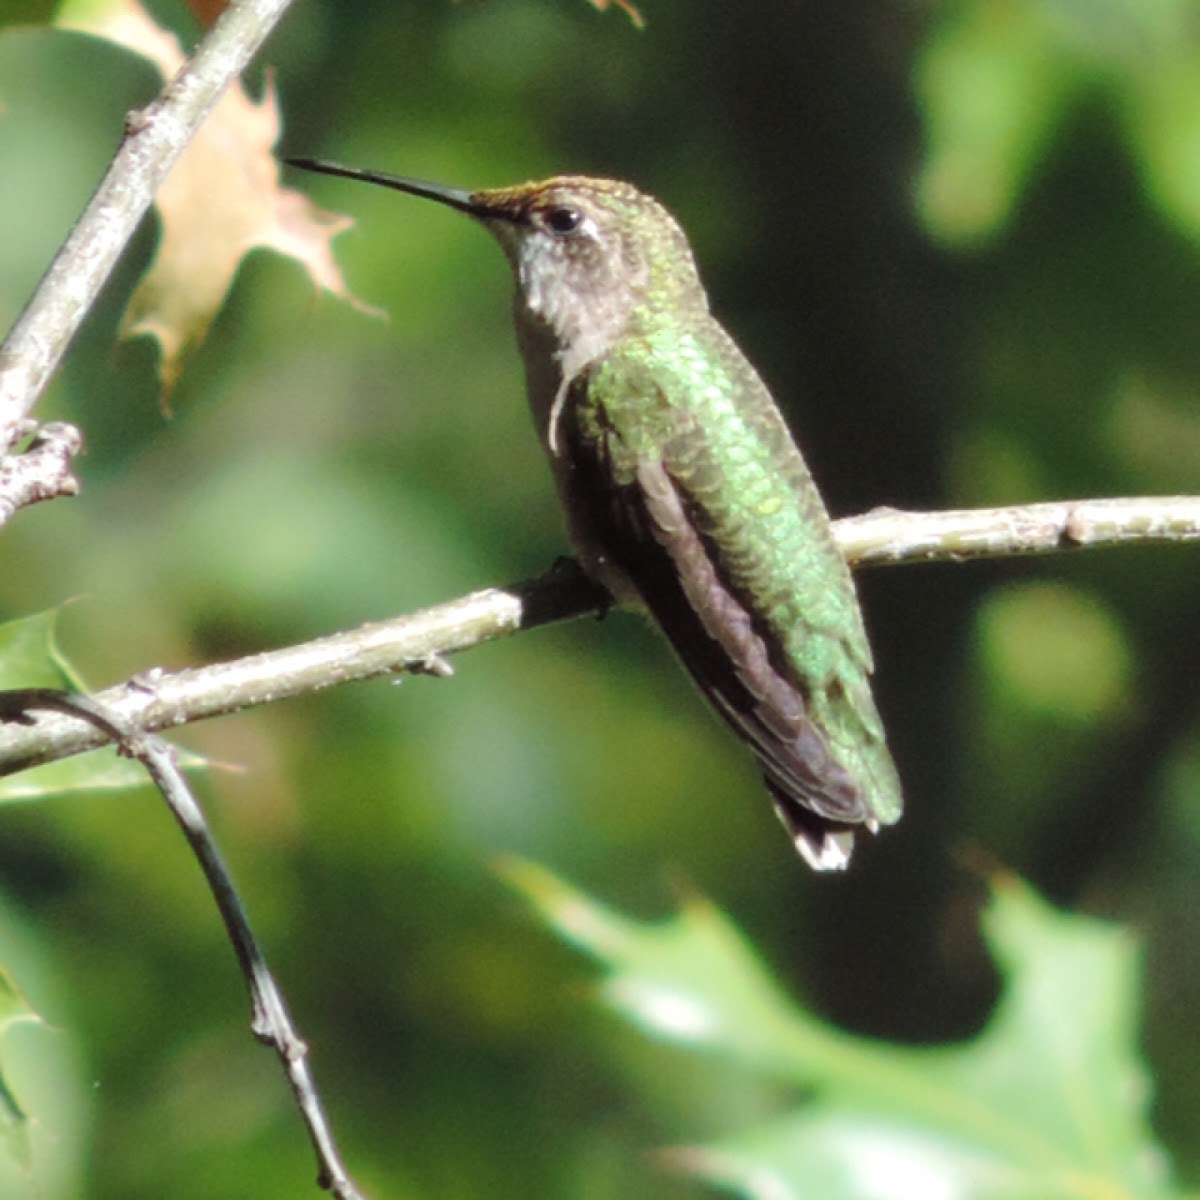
585 321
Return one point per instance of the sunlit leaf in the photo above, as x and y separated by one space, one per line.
1049 1101
693 980
997 78
1163 114
993 83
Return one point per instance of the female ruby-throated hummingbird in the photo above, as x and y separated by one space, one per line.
684 491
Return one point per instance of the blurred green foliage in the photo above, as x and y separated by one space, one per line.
960 242
998 79
1049 1100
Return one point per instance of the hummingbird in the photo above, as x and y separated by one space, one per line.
685 494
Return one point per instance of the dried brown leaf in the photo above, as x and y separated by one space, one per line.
207 11
221 200
626 6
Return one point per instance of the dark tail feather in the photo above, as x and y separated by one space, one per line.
824 844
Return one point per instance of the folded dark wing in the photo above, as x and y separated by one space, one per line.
643 519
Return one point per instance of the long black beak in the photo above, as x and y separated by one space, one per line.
453 197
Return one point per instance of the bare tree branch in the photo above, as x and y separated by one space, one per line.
154 139
418 642
887 536
413 643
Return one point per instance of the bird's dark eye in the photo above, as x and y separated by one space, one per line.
564 220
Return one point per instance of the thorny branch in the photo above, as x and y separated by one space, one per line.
270 1023
419 642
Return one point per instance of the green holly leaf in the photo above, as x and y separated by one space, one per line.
30 657
1049 1102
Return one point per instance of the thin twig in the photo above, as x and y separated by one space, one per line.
154 139
270 1022
420 641
156 700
